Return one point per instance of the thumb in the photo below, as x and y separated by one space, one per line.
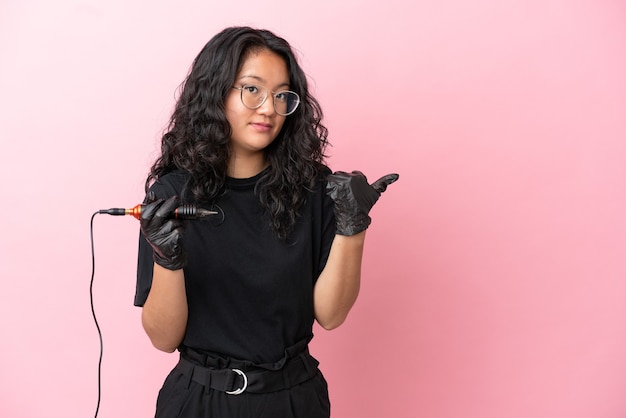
381 184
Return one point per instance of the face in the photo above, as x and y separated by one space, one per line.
254 129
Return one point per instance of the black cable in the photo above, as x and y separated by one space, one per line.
93 313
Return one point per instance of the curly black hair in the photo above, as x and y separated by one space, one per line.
197 137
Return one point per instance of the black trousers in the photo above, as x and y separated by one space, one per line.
185 395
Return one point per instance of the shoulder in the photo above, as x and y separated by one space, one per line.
321 181
170 184
322 173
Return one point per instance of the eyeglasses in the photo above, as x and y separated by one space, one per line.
285 102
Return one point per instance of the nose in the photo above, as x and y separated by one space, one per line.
267 108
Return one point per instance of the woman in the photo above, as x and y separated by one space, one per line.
237 293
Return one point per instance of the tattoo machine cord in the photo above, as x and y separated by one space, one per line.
93 313
182 212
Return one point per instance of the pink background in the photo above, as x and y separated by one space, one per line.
495 274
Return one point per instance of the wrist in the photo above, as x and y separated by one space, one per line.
173 264
352 225
356 240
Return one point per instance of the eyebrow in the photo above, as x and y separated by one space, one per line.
262 80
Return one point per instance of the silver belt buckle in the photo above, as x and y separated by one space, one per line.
245 383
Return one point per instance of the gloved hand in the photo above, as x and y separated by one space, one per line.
354 197
162 231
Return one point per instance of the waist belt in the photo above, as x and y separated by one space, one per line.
236 381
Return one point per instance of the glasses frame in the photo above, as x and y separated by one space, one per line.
267 94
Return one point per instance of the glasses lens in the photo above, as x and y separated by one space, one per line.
286 102
253 96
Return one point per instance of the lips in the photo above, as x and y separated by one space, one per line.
262 127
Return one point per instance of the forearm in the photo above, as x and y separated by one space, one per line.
338 285
164 315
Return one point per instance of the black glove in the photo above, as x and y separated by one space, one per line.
163 232
354 197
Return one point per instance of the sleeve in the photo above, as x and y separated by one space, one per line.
145 267
327 221
169 185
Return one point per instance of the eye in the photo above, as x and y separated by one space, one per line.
281 96
249 88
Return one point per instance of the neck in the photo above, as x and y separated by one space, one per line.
243 168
